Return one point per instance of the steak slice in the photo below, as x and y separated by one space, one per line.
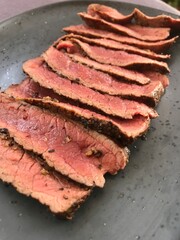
109 14
111 44
135 31
30 89
118 72
124 130
115 106
120 130
63 65
113 57
87 31
31 177
158 21
156 76
82 155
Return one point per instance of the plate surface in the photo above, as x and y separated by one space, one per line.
141 202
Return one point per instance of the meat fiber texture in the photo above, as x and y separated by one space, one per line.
91 156
102 82
122 129
135 31
104 77
111 105
111 44
119 58
31 177
87 31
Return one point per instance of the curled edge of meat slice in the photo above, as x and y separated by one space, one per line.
109 13
157 21
87 31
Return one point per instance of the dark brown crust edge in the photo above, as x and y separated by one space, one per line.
107 128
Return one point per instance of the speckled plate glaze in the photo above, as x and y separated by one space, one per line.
141 202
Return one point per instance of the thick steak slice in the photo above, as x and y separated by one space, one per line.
109 14
115 106
30 89
118 72
64 65
31 177
87 31
158 21
82 155
116 58
111 44
135 31
156 76
120 129
122 73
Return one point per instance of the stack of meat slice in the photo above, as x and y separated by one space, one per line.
84 100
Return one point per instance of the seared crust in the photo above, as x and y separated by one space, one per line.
121 130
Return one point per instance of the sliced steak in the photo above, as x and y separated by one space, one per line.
135 31
122 73
109 14
31 177
30 89
118 72
116 58
82 155
63 65
157 21
115 106
111 44
156 76
124 130
87 31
